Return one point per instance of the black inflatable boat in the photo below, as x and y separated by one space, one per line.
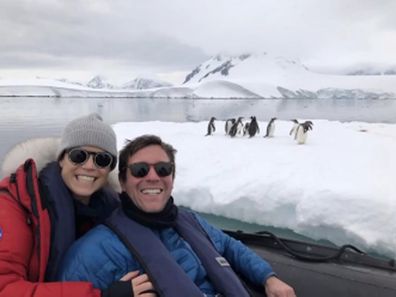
316 270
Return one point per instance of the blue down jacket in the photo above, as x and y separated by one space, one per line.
101 258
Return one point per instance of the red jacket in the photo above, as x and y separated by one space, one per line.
25 241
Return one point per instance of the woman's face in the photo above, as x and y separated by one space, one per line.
83 179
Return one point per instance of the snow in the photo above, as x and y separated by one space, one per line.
339 185
145 83
247 76
263 73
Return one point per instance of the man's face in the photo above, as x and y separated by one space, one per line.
151 192
83 179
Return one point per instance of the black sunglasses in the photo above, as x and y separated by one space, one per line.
141 169
79 156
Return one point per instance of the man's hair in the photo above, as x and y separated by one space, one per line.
133 146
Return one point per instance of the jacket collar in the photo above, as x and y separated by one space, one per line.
41 150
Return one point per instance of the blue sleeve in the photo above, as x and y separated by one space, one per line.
242 259
98 257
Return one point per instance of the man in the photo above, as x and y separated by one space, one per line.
182 254
48 202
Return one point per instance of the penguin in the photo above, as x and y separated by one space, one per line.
228 125
246 128
237 128
240 126
294 128
253 127
270 128
302 132
211 126
309 124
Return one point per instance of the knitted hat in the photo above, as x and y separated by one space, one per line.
89 130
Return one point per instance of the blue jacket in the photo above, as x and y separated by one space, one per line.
101 258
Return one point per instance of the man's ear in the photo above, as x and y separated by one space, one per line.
61 162
122 184
113 182
122 187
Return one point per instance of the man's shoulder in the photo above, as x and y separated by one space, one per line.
98 238
98 233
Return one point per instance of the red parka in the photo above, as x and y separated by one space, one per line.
25 241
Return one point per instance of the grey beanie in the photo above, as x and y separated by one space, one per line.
89 130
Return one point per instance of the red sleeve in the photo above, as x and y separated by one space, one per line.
16 244
22 288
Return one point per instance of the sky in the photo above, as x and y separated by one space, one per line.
167 39
338 186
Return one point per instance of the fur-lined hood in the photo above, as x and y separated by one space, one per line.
42 151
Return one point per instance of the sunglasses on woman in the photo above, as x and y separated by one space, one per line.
79 156
141 169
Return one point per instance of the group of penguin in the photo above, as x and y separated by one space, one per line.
236 127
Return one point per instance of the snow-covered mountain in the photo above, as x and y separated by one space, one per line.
141 83
245 66
271 76
243 76
99 82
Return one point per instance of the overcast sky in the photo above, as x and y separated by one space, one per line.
122 39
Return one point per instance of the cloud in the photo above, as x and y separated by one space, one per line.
177 35
55 33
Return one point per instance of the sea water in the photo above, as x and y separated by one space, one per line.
22 118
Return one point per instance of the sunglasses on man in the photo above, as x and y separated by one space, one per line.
80 156
141 169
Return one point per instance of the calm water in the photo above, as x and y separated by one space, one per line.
24 118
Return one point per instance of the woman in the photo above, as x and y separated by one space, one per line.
45 208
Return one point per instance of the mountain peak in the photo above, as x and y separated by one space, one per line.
226 67
99 82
